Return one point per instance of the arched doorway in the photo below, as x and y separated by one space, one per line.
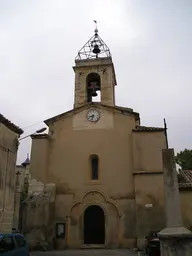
94 225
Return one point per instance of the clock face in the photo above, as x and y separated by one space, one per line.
93 115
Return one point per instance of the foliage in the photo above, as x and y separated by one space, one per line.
184 159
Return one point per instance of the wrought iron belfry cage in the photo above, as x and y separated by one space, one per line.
94 48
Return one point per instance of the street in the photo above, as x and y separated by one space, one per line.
88 252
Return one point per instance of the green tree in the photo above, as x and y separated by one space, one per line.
184 159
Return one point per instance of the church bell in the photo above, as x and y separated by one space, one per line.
94 93
93 88
96 49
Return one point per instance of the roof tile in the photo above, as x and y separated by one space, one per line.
185 179
10 125
148 129
186 175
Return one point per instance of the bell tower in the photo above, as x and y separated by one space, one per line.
94 73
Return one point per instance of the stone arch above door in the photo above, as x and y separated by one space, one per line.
93 197
112 217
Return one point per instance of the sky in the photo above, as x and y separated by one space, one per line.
151 46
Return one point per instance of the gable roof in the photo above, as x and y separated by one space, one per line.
185 179
10 125
123 110
148 129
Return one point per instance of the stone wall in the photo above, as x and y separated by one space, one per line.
149 205
8 154
186 207
21 191
150 211
38 216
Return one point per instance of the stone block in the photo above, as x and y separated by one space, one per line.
176 244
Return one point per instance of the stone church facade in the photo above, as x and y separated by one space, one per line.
106 167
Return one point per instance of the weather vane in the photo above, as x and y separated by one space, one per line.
96 30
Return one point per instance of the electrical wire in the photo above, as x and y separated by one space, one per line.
31 125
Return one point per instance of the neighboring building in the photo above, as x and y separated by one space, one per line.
9 134
34 200
185 188
21 192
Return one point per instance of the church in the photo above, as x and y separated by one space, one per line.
106 167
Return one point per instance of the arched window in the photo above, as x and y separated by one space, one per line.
94 167
93 86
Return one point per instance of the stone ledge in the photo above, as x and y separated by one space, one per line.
175 232
147 172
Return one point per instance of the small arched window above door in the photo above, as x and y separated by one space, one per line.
94 160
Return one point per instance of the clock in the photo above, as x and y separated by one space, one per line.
93 115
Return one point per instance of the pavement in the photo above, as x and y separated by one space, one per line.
89 252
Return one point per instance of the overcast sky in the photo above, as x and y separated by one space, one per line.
151 46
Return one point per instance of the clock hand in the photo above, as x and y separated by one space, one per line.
91 117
